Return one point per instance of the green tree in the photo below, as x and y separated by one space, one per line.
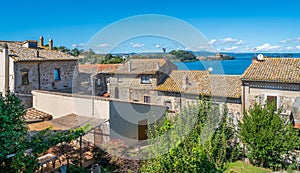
18 151
183 56
269 139
13 136
203 149
75 52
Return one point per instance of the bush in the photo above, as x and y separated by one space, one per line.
199 140
269 139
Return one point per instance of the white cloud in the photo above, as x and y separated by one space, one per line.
298 47
80 45
212 41
294 40
137 45
225 41
268 47
104 45
231 48
157 46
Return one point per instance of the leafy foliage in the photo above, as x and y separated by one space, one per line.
91 57
268 138
15 140
198 140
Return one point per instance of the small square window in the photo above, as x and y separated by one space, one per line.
147 99
272 100
56 74
25 80
145 80
98 82
119 79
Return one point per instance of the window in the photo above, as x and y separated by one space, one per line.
272 100
168 105
98 82
145 80
146 99
25 80
116 92
119 79
56 74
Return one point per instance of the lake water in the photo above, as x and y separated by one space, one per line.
233 67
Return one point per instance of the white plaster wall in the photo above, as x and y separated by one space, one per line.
58 105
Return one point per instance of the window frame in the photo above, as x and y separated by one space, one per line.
274 96
147 80
58 73
25 77
147 99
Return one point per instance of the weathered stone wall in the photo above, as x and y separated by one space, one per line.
41 76
285 98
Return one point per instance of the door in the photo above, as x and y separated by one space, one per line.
142 129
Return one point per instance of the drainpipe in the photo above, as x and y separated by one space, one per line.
243 100
39 76
6 69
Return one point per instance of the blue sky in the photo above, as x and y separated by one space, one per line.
234 26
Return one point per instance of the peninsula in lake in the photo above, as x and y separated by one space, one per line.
218 56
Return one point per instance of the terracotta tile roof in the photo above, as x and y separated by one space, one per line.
202 83
96 68
33 115
225 85
141 66
19 53
196 81
285 70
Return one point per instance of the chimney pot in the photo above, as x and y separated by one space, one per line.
184 82
129 66
50 44
37 53
41 41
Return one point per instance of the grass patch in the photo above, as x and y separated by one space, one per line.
241 167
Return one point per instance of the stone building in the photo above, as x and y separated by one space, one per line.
183 88
94 77
273 79
136 79
27 66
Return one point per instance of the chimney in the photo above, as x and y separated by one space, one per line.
129 66
254 60
41 41
6 68
184 82
157 65
50 44
37 53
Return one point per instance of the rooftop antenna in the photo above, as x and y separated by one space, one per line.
255 52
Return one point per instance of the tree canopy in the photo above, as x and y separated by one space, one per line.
183 56
19 150
268 138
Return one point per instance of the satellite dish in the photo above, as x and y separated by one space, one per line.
210 69
260 57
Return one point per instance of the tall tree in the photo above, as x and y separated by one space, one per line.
18 151
268 138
